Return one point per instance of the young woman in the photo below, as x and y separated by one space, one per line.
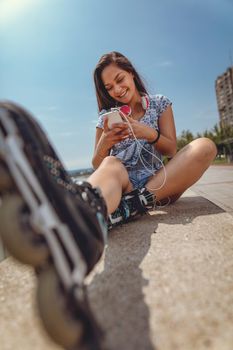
128 156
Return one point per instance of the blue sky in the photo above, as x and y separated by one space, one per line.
49 49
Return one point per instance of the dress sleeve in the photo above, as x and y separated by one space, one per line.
100 122
162 103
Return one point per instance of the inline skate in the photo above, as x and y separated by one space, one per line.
135 203
52 224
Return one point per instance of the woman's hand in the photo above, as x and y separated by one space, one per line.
141 131
119 132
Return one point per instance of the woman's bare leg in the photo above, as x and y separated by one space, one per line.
113 180
183 170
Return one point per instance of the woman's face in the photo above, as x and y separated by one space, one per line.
119 83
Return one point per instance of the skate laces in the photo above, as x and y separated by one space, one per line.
59 174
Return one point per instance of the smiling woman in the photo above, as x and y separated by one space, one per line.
9 9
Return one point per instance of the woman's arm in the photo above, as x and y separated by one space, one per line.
166 144
104 140
100 151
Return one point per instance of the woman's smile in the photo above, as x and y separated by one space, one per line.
123 94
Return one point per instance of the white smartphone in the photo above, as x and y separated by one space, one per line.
113 117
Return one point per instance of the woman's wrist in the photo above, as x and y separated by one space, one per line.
101 156
102 147
102 152
155 138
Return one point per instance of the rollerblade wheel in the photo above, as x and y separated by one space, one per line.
59 323
17 236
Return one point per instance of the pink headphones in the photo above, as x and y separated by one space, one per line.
126 110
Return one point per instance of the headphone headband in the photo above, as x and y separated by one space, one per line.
145 102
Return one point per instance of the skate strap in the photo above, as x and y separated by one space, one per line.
134 202
147 198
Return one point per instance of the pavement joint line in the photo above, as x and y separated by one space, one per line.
213 183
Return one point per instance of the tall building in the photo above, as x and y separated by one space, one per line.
224 94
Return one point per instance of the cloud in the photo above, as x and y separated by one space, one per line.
165 64
66 134
48 118
52 108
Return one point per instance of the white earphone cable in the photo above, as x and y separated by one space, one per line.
140 148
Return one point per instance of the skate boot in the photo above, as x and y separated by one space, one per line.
51 223
132 204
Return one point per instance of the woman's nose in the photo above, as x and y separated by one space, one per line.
117 89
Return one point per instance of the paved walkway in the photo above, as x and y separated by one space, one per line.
217 186
164 283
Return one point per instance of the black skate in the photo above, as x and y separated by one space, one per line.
51 223
132 204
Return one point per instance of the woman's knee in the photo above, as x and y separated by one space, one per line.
114 164
204 149
113 167
111 161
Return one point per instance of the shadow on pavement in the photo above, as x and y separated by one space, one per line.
116 292
185 210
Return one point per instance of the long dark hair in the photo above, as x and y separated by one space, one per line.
104 100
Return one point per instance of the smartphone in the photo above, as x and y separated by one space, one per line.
113 117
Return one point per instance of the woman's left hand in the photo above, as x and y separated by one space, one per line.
141 131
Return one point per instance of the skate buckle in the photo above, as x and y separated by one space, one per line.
78 274
44 217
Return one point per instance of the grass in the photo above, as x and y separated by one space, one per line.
221 161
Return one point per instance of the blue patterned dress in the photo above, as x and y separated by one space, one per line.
141 159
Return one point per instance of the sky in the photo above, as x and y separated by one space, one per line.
49 49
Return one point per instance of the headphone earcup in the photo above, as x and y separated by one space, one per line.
145 102
126 110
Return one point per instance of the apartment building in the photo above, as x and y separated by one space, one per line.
224 94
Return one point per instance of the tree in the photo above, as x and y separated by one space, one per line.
221 136
185 138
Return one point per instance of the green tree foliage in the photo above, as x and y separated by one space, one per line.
185 138
222 137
